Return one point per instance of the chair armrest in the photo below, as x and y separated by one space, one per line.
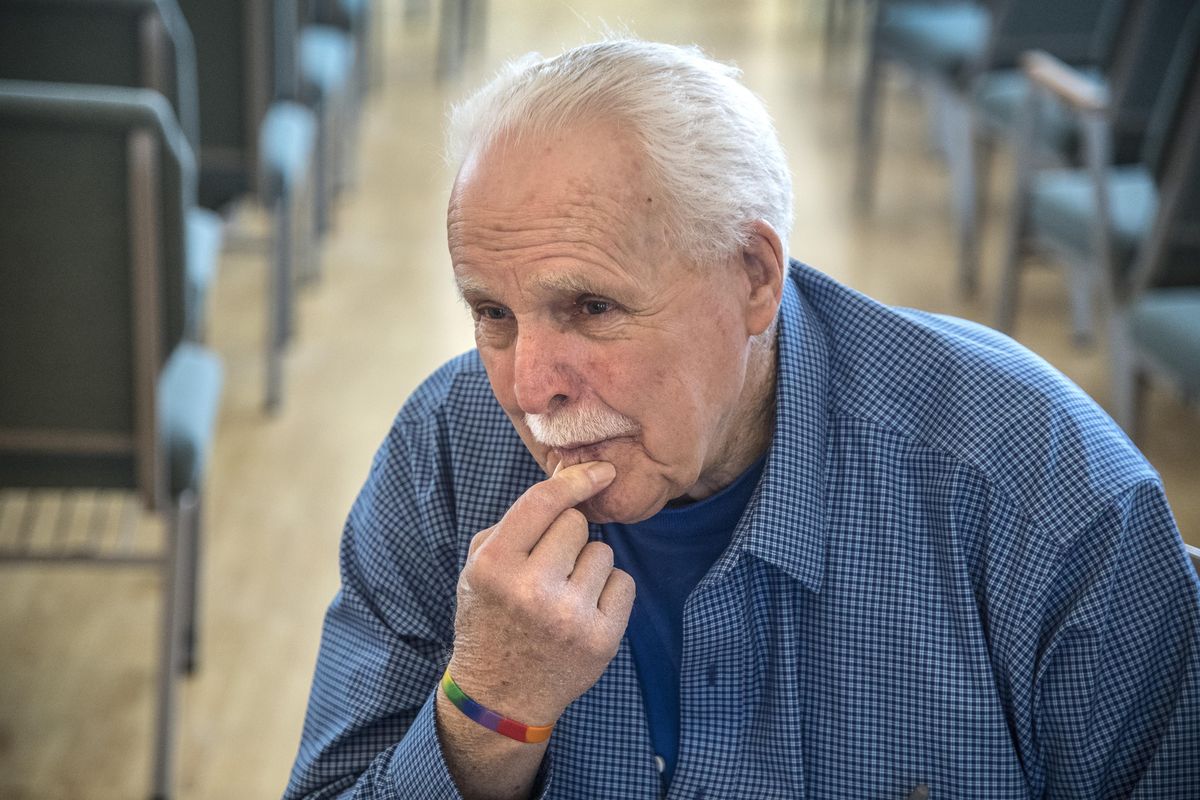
1066 83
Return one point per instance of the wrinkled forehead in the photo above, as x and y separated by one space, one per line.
580 198
516 168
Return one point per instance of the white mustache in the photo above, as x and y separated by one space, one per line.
575 427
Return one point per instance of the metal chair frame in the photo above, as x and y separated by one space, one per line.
176 562
1116 290
270 72
966 138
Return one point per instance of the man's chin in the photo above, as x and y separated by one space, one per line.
614 506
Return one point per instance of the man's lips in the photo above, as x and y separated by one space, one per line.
584 447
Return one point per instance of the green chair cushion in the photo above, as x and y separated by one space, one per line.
189 394
326 59
938 37
1063 210
205 231
287 140
1166 324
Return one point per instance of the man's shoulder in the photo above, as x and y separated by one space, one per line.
457 385
972 394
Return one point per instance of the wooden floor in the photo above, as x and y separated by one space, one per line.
77 644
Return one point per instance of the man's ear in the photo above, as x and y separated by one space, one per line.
766 268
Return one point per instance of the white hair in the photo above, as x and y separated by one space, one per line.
708 141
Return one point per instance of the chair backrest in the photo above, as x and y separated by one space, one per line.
233 51
91 264
284 22
1170 255
1074 31
1194 552
132 43
1142 51
1170 105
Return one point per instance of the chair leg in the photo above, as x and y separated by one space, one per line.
174 567
190 611
963 159
939 122
452 37
867 157
324 175
1128 385
1018 223
831 30
349 107
1010 271
280 312
1081 290
307 247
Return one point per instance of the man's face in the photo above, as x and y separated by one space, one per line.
601 343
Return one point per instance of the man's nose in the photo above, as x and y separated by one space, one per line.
543 375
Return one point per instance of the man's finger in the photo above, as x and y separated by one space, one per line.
558 549
534 511
593 568
478 539
616 601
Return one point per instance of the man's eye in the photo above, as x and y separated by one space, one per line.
492 313
596 307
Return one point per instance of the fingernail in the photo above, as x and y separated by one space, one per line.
601 471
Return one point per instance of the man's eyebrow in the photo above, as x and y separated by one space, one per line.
564 283
559 282
469 286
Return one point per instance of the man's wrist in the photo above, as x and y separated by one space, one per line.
492 720
482 763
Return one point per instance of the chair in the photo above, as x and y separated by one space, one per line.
253 142
323 58
1097 220
102 389
965 52
1156 319
1194 552
359 19
131 43
461 26
1054 209
1158 337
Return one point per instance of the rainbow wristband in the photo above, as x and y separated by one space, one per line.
530 734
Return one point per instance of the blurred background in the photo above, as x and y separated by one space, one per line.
260 187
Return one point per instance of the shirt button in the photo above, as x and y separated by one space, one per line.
712 674
661 764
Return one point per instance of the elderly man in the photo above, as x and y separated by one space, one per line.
876 552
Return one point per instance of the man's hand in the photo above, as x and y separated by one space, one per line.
541 610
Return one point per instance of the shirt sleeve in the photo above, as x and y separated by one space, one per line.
387 634
1117 681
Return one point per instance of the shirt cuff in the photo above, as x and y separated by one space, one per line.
419 765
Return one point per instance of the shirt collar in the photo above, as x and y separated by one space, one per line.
785 521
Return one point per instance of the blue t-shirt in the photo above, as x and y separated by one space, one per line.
667 555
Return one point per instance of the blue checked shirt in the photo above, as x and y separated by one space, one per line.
955 571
